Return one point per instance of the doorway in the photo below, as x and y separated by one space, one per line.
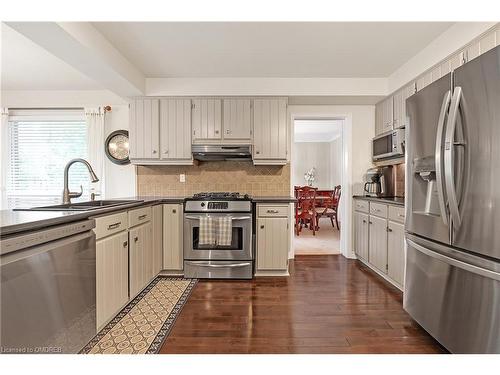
317 162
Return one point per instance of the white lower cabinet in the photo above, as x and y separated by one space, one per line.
395 252
140 255
361 235
377 248
172 237
272 238
111 276
378 238
157 228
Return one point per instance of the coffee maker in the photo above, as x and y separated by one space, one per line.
379 182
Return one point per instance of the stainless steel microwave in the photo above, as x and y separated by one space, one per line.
389 145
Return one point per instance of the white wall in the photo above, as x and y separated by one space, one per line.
312 154
440 48
358 130
120 180
336 162
266 86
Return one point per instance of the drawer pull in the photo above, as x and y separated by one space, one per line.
401 215
142 217
174 211
364 221
272 211
114 226
261 227
376 210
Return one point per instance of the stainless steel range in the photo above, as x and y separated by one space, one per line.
218 236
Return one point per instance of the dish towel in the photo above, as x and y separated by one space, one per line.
207 231
225 231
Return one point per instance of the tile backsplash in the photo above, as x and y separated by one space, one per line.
233 176
399 180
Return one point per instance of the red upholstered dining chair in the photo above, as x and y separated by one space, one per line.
330 207
305 211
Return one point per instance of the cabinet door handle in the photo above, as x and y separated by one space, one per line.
174 211
154 151
389 229
228 131
364 221
257 152
142 217
136 239
165 152
216 132
371 222
125 244
114 226
261 227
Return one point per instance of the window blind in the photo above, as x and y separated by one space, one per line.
39 150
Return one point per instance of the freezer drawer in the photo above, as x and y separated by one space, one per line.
457 302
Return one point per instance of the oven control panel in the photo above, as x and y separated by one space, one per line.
218 206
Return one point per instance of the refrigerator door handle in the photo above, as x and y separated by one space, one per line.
455 262
448 157
438 156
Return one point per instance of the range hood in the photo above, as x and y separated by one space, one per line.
222 152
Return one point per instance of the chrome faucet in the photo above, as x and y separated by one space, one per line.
67 195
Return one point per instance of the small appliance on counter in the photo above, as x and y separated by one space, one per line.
379 182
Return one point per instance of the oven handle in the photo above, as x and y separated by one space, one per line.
203 264
233 217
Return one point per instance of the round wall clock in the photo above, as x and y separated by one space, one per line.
117 147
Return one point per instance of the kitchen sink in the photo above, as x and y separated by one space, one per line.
81 206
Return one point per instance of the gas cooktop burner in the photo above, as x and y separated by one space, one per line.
220 195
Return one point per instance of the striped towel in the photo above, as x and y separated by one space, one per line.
207 231
225 231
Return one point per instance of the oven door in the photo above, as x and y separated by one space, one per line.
241 244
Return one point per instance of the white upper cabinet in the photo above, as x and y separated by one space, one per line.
484 44
237 119
388 114
424 80
399 100
207 119
384 115
175 130
270 131
144 129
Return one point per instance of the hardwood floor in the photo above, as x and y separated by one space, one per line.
329 304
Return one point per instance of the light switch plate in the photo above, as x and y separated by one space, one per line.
182 177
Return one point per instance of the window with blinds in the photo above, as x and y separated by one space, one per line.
41 145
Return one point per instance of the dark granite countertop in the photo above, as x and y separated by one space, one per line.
20 221
397 201
267 199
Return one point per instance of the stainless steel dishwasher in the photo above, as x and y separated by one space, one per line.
48 289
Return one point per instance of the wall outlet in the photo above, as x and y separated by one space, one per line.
182 177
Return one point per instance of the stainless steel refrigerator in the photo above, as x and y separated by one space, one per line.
452 277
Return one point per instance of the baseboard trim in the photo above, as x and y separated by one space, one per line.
378 272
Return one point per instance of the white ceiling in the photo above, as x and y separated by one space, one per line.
274 49
317 130
27 66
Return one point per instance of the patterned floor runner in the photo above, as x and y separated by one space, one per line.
142 326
